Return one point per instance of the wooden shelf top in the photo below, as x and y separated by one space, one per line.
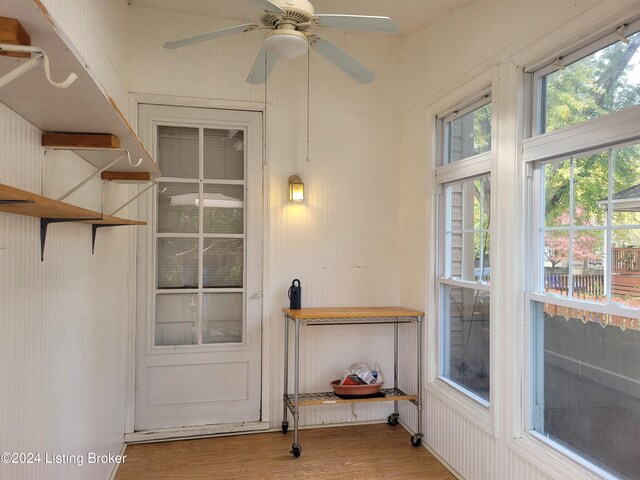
83 107
33 205
351 312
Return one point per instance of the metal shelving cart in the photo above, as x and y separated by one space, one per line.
348 316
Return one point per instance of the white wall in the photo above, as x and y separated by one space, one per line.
64 322
493 39
342 243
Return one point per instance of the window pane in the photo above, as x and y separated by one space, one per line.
626 186
178 210
223 209
584 183
587 372
177 263
178 152
588 265
625 267
222 318
467 331
224 154
557 193
556 262
469 221
176 317
590 187
606 81
223 261
469 134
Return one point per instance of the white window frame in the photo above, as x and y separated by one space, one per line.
477 94
615 129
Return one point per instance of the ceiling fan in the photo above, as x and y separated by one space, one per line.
289 23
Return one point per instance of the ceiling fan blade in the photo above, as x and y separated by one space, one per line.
341 59
358 22
268 6
211 35
262 67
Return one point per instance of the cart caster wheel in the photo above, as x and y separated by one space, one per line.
296 450
416 440
285 427
393 419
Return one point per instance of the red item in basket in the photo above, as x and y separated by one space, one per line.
353 380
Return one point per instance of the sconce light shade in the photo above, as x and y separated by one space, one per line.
296 189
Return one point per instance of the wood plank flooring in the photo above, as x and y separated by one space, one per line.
366 452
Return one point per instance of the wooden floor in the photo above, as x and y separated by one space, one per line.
354 453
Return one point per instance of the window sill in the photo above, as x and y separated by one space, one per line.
476 411
554 460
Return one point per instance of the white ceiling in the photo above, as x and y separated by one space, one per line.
410 14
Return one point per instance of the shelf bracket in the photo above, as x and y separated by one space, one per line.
153 184
96 173
94 232
29 64
44 223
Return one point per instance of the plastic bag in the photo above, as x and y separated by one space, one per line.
363 372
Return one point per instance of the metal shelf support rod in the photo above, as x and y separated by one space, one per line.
94 174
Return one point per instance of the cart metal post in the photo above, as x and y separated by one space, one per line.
296 449
285 422
416 440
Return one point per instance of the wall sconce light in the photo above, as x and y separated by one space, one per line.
296 189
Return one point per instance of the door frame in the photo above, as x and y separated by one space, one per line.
145 209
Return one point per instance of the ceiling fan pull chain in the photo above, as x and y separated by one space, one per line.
308 99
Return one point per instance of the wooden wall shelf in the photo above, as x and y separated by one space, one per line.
20 202
83 107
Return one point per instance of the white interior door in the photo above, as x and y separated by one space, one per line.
198 341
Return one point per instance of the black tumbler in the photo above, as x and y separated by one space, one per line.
295 295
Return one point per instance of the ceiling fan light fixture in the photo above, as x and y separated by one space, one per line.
286 43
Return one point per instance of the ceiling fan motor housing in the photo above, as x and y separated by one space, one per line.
298 12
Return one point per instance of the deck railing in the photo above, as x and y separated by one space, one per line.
626 260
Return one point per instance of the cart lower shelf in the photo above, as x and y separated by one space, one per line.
330 398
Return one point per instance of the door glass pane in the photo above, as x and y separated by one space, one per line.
222 318
466 314
223 209
224 154
177 263
223 263
178 208
587 372
178 152
176 317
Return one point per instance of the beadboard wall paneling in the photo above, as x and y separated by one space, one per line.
63 322
342 242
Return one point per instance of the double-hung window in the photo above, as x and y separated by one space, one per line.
583 164
464 270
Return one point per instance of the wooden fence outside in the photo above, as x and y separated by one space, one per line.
625 289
